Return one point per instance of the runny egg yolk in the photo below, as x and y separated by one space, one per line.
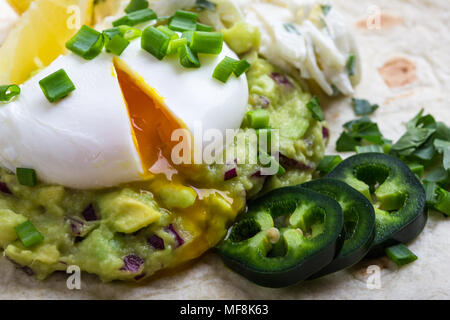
152 123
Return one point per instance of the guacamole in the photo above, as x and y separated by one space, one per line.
132 231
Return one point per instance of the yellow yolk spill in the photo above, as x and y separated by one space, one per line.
205 222
151 121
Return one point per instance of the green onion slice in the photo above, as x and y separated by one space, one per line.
224 69
201 5
155 42
267 160
328 163
351 65
28 234
241 67
8 92
56 85
136 5
188 58
207 42
136 17
183 21
117 45
204 27
26 176
172 34
87 43
369 148
400 254
175 44
442 201
314 106
187 35
258 119
127 32
417 168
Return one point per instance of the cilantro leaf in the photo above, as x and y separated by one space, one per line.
363 107
314 106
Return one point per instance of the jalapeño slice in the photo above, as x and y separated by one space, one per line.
359 222
396 193
285 236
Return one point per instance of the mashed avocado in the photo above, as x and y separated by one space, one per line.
132 231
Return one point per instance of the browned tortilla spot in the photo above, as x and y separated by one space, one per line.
398 72
386 21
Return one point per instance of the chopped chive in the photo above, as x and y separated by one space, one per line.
241 67
314 106
187 35
188 58
136 5
351 65
183 21
328 163
224 69
201 5
28 234
369 148
204 27
8 92
87 43
207 42
430 192
417 169
267 160
56 85
442 201
289 27
155 42
111 32
400 254
26 176
132 33
258 119
172 34
127 32
326 8
267 135
135 17
175 44
117 45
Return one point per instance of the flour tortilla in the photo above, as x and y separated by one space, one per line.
414 30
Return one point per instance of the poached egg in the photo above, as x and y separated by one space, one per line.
118 122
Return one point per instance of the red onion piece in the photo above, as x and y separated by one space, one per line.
292 163
281 79
325 132
132 263
156 242
172 230
264 102
4 188
230 174
90 214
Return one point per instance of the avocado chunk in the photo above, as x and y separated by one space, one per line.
8 221
128 211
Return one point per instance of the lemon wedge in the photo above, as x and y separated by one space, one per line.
40 35
20 6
